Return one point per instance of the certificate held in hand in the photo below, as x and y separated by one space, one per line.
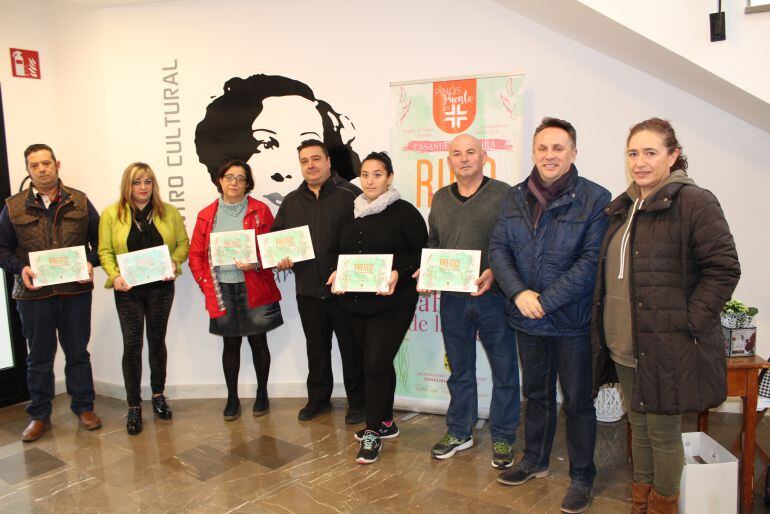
449 270
145 266
292 243
365 273
58 266
233 245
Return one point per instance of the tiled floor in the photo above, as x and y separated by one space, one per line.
199 463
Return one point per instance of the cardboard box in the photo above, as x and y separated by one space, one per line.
740 342
710 477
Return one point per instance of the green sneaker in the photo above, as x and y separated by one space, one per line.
448 445
502 455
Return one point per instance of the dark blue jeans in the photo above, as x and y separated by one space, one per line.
70 315
542 359
462 317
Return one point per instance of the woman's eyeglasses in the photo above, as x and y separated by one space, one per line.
240 179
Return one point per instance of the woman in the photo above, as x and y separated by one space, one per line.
668 264
382 224
241 298
140 220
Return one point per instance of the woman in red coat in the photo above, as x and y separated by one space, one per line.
241 298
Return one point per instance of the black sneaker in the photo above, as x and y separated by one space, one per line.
355 416
502 455
448 445
386 432
520 473
160 407
371 446
134 420
232 409
311 411
577 499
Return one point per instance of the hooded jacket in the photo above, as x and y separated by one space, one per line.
683 267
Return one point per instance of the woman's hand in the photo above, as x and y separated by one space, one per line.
391 284
246 266
416 275
284 264
330 282
174 267
120 284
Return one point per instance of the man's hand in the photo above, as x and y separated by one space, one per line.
90 274
528 303
26 276
120 284
330 283
391 284
284 264
484 282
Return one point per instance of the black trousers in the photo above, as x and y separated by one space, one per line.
134 307
380 336
321 317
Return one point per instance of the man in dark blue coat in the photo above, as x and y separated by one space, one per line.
543 252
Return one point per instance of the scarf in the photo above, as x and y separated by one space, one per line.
362 207
543 194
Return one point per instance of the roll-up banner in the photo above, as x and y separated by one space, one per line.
427 115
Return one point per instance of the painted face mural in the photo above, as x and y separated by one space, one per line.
262 120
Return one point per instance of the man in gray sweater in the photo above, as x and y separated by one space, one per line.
462 216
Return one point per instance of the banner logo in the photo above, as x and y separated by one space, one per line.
25 63
454 105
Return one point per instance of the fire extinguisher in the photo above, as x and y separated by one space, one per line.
18 64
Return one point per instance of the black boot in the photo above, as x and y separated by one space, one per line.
160 407
134 420
232 408
260 353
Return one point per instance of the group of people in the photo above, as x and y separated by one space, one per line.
575 286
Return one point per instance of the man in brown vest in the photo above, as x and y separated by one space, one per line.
45 216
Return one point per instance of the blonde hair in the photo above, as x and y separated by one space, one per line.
135 171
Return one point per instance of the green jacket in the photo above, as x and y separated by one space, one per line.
113 237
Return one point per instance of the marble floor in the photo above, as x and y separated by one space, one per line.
197 462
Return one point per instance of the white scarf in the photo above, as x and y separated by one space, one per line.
362 207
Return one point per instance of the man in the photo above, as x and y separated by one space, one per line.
45 216
322 201
543 251
461 217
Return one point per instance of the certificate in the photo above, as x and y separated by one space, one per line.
144 266
449 270
231 246
366 273
294 243
59 266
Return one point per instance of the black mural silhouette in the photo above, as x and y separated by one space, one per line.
261 116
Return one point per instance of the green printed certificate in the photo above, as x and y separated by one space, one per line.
144 266
231 246
294 243
59 266
449 270
363 273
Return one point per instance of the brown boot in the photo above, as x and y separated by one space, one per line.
658 504
639 496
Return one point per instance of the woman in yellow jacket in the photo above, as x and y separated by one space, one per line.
137 221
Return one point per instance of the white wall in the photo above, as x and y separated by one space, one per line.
683 27
107 95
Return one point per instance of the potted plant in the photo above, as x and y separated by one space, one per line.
738 328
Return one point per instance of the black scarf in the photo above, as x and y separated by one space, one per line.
543 195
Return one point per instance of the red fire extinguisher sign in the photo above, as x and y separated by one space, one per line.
25 63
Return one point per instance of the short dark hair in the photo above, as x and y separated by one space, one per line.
666 132
307 143
565 125
36 148
234 163
382 157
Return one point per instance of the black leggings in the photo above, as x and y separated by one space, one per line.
134 306
231 363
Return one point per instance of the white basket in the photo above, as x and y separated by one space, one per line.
736 320
609 404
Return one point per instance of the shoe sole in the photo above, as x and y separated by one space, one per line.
389 436
504 466
233 417
93 427
576 511
258 413
362 460
539 474
467 444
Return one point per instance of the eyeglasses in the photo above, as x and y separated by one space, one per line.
240 179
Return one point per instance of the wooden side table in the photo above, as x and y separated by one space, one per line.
742 380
